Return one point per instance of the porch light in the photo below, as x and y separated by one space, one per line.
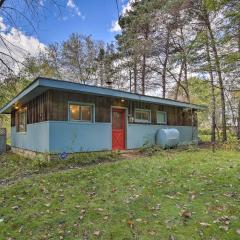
122 100
109 82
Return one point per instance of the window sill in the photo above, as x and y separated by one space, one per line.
79 121
24 133
138 121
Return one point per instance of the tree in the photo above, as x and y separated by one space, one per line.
27 12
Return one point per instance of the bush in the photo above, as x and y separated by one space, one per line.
150 150
204 131
92 157
41 161
231 145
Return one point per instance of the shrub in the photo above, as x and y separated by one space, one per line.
232 145
150 150
41 161
92 157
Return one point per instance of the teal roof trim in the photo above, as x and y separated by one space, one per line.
42 84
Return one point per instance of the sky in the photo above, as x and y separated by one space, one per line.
89 17
54 24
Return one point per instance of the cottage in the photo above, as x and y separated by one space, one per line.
52 116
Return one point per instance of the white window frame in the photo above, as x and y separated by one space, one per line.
165 113
82 104
141 120
23 110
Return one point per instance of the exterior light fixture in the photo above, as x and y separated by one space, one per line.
109 82
122 100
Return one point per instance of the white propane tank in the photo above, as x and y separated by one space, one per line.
168 137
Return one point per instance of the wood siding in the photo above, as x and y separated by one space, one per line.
53 106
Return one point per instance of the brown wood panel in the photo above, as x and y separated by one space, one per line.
53 105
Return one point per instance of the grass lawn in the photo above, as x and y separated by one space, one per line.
192 194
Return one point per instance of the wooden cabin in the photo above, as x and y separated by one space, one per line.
53 116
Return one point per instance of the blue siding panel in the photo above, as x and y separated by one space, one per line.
60 136
79 137
35 139
141 134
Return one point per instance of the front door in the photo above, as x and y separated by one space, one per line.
118 129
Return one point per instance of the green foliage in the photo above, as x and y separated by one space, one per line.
92 158
231 145
40 161
151 150
14 165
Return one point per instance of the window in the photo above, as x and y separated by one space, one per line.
143 115
80 112
161 117
21 120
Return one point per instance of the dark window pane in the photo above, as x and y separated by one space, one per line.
21 120
138 115
86 113
142 115
145 116
117 120
161 117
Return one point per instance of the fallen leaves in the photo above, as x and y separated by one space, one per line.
171 237
192 195
225 228
130 223
186 214
96 233
204 224
223 220
15 207
152 233
230 194
157 207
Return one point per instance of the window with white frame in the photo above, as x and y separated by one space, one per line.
80 112
161 117
21 120
143 115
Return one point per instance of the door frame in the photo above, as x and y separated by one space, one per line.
126 122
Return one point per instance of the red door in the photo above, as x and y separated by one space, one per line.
118 129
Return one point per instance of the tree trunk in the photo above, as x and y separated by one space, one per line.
220 80
143 73
238 121
1 3
185 66
213 98
135 76
130 80
165 64
179 81
186 78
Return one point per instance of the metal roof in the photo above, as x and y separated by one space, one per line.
41 84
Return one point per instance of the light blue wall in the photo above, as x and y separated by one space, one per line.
140 134
79 137
59 136
35 139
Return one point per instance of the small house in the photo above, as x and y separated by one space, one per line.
53 116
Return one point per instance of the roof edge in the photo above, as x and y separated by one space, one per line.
26 90
61 84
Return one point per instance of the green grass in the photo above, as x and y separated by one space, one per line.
146 198
13 166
